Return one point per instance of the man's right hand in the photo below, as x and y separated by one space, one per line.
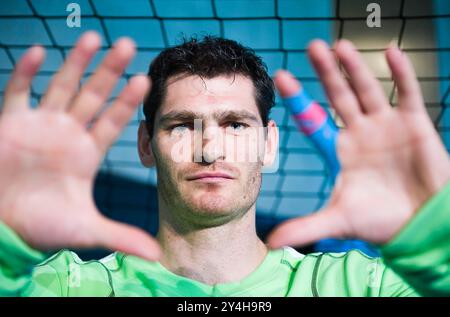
49 157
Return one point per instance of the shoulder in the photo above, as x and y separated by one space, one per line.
333 274
73 276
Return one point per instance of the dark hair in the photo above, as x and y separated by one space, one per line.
209 57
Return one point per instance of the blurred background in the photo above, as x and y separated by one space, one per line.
279 31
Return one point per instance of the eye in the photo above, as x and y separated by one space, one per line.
180 127
237 125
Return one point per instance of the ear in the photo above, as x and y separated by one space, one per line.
144 146
271 143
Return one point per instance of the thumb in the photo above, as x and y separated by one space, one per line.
308 229
117 236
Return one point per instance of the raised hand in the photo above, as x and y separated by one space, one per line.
392 159
49 157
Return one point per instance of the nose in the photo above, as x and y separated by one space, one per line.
213 144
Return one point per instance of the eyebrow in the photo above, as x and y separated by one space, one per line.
188 115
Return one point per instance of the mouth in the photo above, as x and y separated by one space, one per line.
214 177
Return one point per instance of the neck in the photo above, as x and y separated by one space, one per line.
212 255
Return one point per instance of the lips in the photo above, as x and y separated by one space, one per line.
211 176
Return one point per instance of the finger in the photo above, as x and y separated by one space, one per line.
409 92
98 88
17 92
64 84
306 230
306 112
286 84
336 87
367 88
113 120
127 239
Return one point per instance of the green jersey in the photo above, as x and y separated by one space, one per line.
416 262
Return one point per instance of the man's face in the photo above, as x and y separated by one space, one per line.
204 144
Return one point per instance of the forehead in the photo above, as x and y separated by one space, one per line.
221 93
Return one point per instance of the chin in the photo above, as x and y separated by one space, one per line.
213 204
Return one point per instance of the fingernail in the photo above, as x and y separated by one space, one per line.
349 44
125 39
393 44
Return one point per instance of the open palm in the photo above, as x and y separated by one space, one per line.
50 155
392 159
